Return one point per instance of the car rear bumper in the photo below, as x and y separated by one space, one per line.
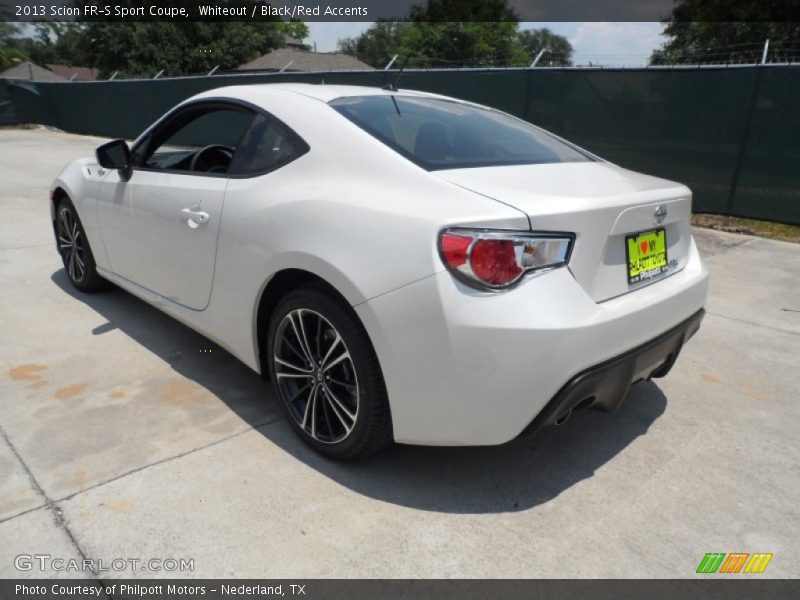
605 386
465 367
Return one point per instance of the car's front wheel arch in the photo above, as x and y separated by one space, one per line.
56 197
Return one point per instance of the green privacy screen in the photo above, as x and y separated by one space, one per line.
706 127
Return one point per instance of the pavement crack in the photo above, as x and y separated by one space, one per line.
53 507
24 512
170 458
58 513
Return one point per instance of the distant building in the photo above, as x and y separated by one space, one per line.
293 42
292 58
31 72
75 73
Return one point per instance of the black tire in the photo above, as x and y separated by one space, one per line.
349 386
74 248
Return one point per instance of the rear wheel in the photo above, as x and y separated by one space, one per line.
74 248
326 375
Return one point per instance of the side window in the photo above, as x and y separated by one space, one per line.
264 147
201 139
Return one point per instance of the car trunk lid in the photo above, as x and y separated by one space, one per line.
601 204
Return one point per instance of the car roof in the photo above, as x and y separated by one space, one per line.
322 92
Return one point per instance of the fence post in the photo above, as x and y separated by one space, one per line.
526 113
390 63
737 169
538 56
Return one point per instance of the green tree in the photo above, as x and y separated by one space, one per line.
9 57
296 29
144 48
558 50
703 31
377 45
8 31
53 42
434 44
444 33
10 53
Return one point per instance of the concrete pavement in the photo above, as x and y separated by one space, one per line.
126 435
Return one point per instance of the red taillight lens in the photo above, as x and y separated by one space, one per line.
454 249
494 262
498 259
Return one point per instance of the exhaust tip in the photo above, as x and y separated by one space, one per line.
563 418
585 403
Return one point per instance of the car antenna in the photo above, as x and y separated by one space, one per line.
397 108
392 87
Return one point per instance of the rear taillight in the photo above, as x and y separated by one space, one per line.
495 262
498 259
454 248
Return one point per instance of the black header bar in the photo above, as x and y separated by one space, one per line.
368 10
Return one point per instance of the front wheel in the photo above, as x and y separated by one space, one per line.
327 376
76 254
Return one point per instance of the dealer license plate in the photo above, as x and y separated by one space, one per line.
647 255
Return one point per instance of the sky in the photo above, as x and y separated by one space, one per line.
609 44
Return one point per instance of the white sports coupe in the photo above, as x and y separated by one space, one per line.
403 266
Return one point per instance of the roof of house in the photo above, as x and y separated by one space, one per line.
290 41
31 72
302 60
80 73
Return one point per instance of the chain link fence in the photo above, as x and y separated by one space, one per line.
732 134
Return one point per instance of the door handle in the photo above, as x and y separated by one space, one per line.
194 217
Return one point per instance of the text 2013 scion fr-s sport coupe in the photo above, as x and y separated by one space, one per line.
401 265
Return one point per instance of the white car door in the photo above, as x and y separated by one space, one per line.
160 227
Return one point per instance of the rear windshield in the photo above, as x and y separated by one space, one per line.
442 134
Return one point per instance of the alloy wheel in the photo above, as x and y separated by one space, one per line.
316 376
70 244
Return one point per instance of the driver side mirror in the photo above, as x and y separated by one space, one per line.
115 155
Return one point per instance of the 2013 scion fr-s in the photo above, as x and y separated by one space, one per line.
402 266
